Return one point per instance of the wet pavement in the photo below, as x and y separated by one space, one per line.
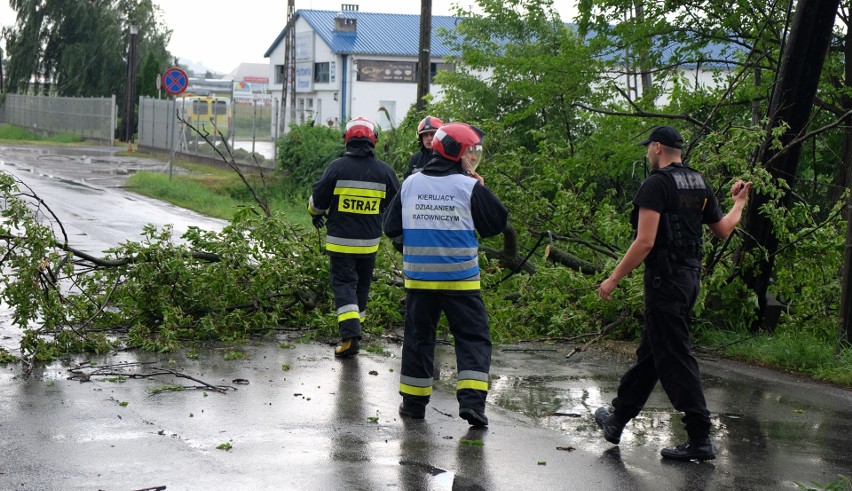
290 416
296 418
83 186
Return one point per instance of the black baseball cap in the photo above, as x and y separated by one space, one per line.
666 135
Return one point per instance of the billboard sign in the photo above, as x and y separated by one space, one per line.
386 71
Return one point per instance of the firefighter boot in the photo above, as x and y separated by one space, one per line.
693 449
611 428
474 417
346 348
412 411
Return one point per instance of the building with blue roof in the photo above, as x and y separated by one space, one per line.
350 63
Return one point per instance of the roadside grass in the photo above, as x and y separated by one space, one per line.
15 133
219 192
784 349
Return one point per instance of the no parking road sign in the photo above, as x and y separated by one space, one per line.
175 81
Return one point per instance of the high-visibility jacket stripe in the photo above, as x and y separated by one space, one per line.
313 210
442 285
351 249
353 242
414 391
442 267
349 183
352 246
370 193
472 384
440 251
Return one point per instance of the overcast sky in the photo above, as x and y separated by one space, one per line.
244 30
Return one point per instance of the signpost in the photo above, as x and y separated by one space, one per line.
174 82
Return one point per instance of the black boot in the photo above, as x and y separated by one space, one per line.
474 417
346 348
412 411
693 449
611 428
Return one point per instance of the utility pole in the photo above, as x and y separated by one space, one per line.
791 104
424 59
2 90
130 89
289 69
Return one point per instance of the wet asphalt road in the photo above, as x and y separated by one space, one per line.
296 418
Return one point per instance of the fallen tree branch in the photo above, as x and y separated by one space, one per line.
600 335
119 370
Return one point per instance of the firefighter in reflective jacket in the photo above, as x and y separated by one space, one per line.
435 218
352 193
425 134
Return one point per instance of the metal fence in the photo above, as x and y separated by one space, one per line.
160 130
158 125
92 118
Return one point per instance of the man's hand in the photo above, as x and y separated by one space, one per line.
740 190
477 177
319 221
606 288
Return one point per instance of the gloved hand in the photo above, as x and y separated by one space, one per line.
319 221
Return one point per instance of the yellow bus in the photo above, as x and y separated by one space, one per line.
207 114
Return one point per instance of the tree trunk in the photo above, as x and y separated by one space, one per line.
791 103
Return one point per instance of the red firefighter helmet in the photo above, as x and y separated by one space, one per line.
361 128
452 139
429 124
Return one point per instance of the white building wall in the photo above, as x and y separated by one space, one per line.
324 103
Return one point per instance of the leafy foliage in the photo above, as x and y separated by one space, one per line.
560 141
305 151
71 48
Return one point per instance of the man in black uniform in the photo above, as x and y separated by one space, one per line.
353 192
425 133
669 209
436 217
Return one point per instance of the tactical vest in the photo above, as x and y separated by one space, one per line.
679 236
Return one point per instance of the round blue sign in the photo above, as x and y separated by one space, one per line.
175 81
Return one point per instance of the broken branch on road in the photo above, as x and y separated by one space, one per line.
85 371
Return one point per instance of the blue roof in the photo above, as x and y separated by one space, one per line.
376 33
399 35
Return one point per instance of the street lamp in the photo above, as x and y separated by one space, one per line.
129 89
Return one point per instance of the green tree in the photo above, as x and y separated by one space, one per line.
71 48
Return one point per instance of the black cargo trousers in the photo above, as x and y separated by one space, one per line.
665 352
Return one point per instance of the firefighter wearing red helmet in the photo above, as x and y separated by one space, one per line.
349 198
436 218
425 133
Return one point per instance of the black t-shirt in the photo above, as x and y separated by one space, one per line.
659 193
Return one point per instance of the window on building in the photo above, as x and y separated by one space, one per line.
321 72
279 74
